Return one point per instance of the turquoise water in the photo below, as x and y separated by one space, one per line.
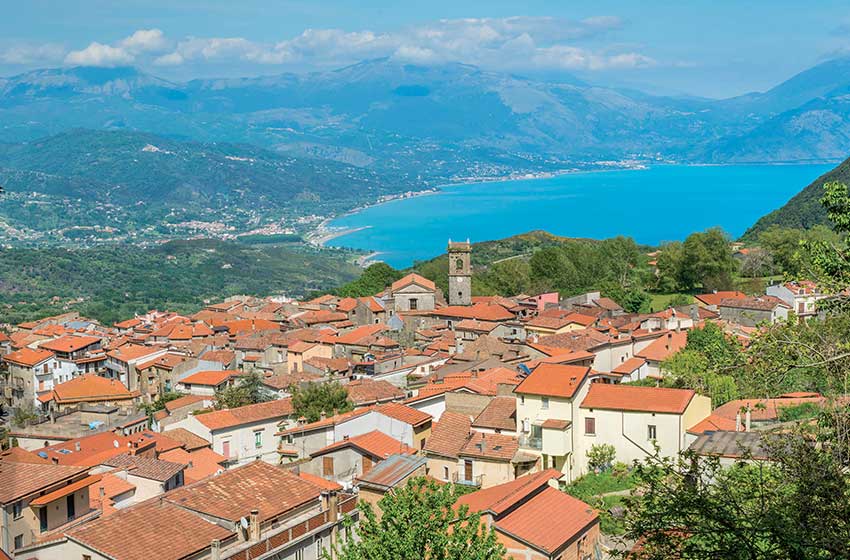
662 203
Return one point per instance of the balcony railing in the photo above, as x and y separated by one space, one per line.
530 442
460 478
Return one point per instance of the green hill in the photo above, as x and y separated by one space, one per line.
113 282
804 211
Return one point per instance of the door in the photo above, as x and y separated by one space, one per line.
225 449
42 519
467 470
72 510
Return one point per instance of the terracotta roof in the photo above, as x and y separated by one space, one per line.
548 520
499 414
404 413
448 435
45 499
713 423
21 455
607 303
224 357
189 440
375 443
166 361
113 486
69 343
664 346
716 297
154 525
495 447
481 311
475 325
369 391
583 339
28 357
555 424
91 388
638 399
322 483
21 479
545 322
553 380
763 409
234 493
327 422
210 378
200 463
185 400
762 303
413 278
503 497
284 381
129 352
629 366
229 418
359 333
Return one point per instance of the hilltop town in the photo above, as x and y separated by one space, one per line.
254 427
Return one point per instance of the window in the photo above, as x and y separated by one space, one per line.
650 431
522 399
327 466
19 542
414 304
544 403
17 510
258 439
86 556
590 426
445 473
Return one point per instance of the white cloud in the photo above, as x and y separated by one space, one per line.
513 43
98 54
48 53
146 40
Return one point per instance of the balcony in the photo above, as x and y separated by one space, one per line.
527 441
460 478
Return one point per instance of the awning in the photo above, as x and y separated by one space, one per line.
66 490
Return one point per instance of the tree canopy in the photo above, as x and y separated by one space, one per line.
419 522
313 399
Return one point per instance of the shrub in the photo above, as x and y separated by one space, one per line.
600 457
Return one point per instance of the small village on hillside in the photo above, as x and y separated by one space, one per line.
208 436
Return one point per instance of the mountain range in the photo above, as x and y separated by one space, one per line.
132 149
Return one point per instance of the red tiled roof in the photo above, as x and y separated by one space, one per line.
501 498
413 278
375 443
369 391
91 388
166 361
629 366
224 357
553 380
448 435
664 346
716 297
549 520
322 483
69 343
638 399
185 400
762 303
28 357
187 439
129 352
495 447
713 423
404 413
500 414
21 479
555 424
199 464
210 378
359 333
480 311
228 418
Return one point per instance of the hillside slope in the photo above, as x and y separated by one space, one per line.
804 210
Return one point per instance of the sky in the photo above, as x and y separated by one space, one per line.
718 48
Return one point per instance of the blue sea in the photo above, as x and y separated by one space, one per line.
661 203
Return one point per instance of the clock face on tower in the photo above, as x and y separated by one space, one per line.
460 279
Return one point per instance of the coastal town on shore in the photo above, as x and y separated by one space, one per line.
190 435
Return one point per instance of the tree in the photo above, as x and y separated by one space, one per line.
314 399
756 263
600 457
374 279
247 390
669 266
418 522
707 261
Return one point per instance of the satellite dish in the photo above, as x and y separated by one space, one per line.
244 523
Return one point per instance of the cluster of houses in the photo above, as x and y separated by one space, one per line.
504 395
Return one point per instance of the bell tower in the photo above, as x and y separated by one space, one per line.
460 273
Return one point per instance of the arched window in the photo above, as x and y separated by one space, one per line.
459 264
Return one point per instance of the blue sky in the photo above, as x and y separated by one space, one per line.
711 48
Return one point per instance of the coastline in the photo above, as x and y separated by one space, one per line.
323 233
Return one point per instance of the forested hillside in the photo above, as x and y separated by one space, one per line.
804 210
114 282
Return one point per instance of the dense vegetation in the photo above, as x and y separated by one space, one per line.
113 282
315 399
804 210
791 500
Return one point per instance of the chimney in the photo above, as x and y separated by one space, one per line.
254 526
76 446
323 416
344 438
738 421
215 550
747 420
333 506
